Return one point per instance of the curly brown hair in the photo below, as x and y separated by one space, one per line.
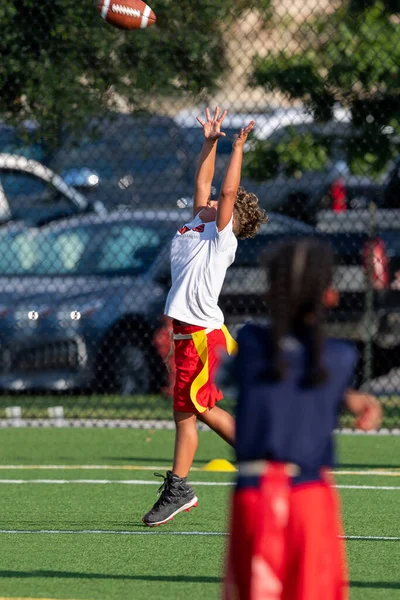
248 215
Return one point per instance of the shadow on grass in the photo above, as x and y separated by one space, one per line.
77 575
384 585
139 459
376 585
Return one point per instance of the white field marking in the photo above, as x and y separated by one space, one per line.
105 8
378 473
368 487
105 532
145 17
91 468
371 537
150 532
144 482
107 482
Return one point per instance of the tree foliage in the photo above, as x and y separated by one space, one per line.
350 57
61 61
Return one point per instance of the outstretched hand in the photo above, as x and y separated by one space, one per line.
212 127
366 408
241 137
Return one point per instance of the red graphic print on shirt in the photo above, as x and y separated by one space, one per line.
199 229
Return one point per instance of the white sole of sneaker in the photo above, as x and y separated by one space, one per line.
186 507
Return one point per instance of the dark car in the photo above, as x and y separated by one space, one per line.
81 300
139 161
350 192
302 194
21 142
346 193
33 193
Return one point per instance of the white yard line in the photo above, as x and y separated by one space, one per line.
152 532
379 538
91 468
147 531
107 481
394 472
24 598
150 482
371 472
368 487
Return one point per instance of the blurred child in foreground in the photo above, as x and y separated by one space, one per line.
286 532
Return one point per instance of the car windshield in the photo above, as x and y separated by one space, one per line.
137 150
93 249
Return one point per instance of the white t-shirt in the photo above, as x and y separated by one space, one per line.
200 256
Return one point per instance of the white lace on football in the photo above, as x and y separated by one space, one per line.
125 10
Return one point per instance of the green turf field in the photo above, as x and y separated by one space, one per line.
86 540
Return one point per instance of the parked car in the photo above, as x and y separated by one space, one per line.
303 193
121 159
300 195
367 276
96 287
358 192
47 196
139 161
81 300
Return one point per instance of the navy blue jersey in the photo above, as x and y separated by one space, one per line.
285 420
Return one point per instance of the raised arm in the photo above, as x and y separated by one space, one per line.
206 165
231 181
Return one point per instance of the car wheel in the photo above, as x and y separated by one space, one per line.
131 371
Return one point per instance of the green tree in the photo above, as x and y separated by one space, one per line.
61 61
350 57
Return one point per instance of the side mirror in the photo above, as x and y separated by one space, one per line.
81 178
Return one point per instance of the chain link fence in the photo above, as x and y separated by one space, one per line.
98 149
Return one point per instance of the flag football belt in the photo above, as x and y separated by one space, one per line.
188 336
200 341
255 468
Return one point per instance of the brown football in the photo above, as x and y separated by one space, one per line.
126 14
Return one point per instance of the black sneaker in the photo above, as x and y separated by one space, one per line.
176 495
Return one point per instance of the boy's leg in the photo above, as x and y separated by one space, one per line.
177 495
221 422
186 440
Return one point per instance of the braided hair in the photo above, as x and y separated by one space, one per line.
299 271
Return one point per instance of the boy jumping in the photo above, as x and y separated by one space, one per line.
201 252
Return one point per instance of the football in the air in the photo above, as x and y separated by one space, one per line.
126 14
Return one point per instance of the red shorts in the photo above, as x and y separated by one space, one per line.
285 543
197 358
